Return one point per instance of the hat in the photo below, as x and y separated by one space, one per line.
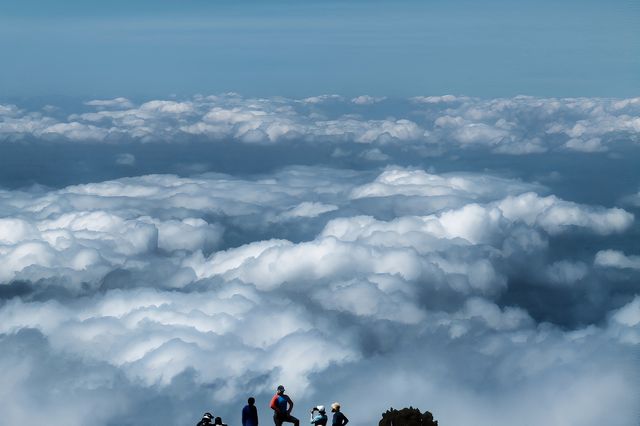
320 408
281 388
335 406
207 416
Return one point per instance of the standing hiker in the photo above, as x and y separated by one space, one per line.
250 413
319 419
339 419
282 405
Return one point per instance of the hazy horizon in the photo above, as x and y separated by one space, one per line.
404 48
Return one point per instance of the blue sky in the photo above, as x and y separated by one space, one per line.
295 48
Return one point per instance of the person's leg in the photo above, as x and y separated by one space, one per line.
293 420
277 419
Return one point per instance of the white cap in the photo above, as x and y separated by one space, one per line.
320 408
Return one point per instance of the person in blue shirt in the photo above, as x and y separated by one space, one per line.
250 413
282 405
339 419
319 419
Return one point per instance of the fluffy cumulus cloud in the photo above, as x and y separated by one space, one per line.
616 259
520 125
482 295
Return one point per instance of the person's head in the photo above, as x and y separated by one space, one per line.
335 407
280 390
251 400
218 421
207 416
321 409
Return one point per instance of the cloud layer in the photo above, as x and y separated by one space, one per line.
481 296
520 125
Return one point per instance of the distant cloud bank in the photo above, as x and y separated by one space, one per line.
520 125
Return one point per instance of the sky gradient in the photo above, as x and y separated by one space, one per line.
289 48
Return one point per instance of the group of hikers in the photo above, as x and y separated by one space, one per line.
282 406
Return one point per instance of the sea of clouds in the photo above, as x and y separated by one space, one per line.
435 252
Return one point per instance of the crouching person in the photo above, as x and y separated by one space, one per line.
282 405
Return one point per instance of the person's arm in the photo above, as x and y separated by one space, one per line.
346 420
290 405
244 416
317 417
254 413
274 403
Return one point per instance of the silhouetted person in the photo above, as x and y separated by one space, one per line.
206 420
318 416
339 419
218 422
250 413
282 405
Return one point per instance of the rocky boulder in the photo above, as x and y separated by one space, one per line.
407 417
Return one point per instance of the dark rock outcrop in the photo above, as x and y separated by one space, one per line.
407 417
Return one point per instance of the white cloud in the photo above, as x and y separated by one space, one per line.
556 216
116 103
367 100
566 272
437 99
616 259
76 131
321 99
309 209
473 295
591 145
515 126
629 314
469 186
168 107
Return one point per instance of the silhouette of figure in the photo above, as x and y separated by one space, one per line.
206 420
218 422
339 419
319 419
250 413
282 405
